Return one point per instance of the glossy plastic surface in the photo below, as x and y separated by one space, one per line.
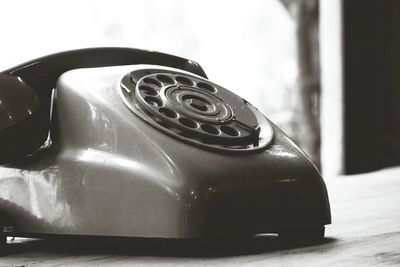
108 172
41 75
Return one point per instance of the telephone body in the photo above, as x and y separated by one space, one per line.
134 143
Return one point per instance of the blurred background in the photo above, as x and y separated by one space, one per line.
305 64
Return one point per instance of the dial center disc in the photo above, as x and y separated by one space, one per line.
197 104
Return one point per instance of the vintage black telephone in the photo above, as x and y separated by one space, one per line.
126 142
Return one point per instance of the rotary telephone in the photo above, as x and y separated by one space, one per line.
127 142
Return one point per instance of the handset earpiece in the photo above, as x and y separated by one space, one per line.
22 120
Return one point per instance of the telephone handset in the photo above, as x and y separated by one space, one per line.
144 145
25 91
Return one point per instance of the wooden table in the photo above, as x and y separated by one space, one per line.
365 231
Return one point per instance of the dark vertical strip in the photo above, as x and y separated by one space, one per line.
372 84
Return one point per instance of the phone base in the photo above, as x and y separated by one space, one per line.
110 173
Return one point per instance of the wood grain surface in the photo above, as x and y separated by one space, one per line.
365 231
